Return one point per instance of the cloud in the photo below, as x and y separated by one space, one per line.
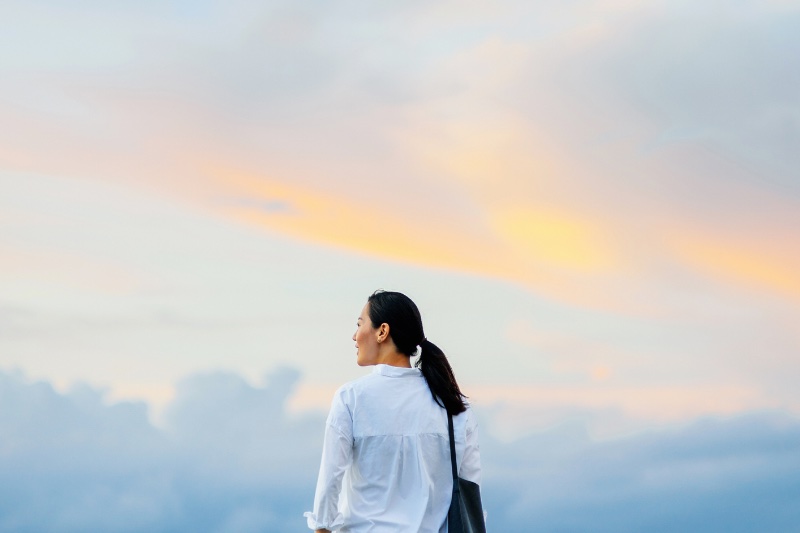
230 459
205 285
634 159
559 146
772 267
739 474
243 428
334 219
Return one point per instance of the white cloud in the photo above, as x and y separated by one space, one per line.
230 459
740 474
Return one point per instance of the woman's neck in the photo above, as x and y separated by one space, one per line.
394 358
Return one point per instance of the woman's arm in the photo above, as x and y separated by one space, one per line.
471 463
337 454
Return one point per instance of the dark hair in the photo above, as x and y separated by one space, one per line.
405 328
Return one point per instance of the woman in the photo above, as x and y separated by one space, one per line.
386 455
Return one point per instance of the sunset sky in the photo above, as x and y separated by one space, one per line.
595 204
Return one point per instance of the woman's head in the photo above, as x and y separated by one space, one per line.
401 318
388 330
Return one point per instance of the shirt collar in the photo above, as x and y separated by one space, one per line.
396 371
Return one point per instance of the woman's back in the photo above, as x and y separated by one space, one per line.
400 476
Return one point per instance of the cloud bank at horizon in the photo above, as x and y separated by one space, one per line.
230 459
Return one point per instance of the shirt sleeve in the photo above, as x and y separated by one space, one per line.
471 463
337 454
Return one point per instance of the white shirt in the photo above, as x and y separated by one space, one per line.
386 457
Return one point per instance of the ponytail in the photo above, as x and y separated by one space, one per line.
441 380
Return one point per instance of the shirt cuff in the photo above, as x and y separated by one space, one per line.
315 524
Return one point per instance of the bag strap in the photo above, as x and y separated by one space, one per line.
452 451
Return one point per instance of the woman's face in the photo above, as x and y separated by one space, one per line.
366 338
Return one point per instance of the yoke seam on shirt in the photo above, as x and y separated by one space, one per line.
401 434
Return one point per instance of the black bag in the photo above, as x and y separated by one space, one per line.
466 512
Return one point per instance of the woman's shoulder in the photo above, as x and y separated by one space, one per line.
358 383
354 387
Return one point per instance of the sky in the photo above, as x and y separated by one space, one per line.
595 204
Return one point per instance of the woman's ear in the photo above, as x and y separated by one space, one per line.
383 332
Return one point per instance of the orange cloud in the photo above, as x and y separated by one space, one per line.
750 264
529 193
363 227
556 238
547 252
